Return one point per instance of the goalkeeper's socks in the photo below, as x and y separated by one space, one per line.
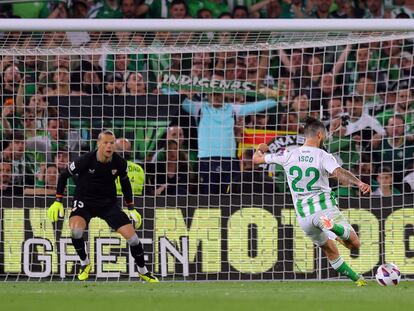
342 268
142 270
85 262
341 231
137 252
79 245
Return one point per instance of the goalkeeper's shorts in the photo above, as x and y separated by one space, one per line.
318 236
111 213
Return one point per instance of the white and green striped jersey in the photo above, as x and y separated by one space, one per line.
307 169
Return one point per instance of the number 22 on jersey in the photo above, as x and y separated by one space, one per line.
297 173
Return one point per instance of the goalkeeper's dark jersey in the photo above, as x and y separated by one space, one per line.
95 181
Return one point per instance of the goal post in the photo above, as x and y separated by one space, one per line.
190 100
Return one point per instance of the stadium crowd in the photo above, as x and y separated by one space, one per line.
364 93
210 9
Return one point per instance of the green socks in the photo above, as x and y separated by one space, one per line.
341 231
342 268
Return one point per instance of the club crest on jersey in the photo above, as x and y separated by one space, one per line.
114 172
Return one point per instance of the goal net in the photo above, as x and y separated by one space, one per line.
188 108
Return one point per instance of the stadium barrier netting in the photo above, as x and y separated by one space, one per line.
188 109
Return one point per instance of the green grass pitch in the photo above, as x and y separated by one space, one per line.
211 296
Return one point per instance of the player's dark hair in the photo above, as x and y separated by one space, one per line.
312 127
105 132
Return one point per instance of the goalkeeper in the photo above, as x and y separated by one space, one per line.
95 196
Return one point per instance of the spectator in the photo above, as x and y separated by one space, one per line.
288 87
395 150
106 9
389 63
61 161
174 176
29 65
342 146
204 13
86 80
358 62
178 9
129 8
360 124
11 79
61 83
14 154
313 71
217 144
293 62
135 172
135 84
322 9
385 184
258 121
257 67
46 182
205 59
39 107
47 142
326 89
175 133
60 11
9 119
119 63
240 11
114 84
366 87
80 9
402 9
407 67
345 9
159 63
334 110
365 169
409 180
253 179
225 15
301 105
296 9
6 181
231 68
374 9
267 9
403 107
293 124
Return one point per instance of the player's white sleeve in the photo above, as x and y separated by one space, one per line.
329 162
275 158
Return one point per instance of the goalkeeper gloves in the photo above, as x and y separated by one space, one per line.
55 211
134 215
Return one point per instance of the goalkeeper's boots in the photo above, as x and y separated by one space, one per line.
361 282
149 277
324 223
84 272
